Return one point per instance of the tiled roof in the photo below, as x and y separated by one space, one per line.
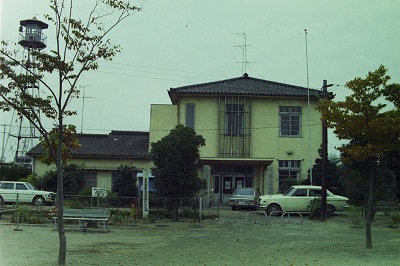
117 144
244 86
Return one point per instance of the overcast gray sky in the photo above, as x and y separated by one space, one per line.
179 42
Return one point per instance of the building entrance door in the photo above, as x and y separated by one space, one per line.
228 177
230 183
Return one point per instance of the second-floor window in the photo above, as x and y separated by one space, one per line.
290 120
234 120
189 120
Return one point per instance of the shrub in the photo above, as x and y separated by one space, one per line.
27 215
355 213
314 207
395 217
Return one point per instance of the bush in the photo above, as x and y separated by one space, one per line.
14 172
125 181
73 179
395 217
314 207
27 215
120 216
355 213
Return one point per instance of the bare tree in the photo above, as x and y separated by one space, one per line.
79 46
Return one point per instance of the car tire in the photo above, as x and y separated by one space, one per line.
330 210
39 201
273 208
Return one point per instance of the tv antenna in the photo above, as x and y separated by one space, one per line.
83 103
244 52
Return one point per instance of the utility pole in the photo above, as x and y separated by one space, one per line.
324 155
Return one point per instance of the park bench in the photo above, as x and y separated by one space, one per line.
86 215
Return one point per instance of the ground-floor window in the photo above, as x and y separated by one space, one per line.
289 173
90 178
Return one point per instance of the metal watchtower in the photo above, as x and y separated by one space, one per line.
31 38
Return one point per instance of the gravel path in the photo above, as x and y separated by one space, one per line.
227 240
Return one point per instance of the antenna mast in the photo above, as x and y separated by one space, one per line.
83 104
244 52
308 111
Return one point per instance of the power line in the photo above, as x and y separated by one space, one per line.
168 69
140 76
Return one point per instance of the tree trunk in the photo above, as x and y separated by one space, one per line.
62 254
176 210
370 205
60 223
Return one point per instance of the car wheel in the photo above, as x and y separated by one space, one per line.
273 208
39 201
330 210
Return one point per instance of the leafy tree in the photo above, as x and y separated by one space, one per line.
79 45
125 181
72 176
69 142
334 183
14 172
355 173
362 116
176 159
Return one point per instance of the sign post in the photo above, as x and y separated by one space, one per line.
145 194
99 192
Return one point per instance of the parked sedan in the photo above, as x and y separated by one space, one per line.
297 198
245 198
15 191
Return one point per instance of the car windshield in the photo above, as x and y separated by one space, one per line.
244 192
288 192
30 186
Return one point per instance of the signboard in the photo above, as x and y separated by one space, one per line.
99 192
145 196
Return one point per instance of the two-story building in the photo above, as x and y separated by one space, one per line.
258 133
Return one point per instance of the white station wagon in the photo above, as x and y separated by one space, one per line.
15 191
296 199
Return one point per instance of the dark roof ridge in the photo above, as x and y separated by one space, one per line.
207 83
94 135
245 76
128 132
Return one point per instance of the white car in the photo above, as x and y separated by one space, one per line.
296 199
15 191
244 198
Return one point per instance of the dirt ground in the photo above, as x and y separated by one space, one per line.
227 240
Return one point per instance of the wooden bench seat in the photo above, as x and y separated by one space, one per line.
84 215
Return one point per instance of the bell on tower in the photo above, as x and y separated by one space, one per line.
32 37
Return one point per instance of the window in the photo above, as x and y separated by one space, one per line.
289 173
290 120
300 193
21 187
90 179
7 186
234 124
189 122
315 193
